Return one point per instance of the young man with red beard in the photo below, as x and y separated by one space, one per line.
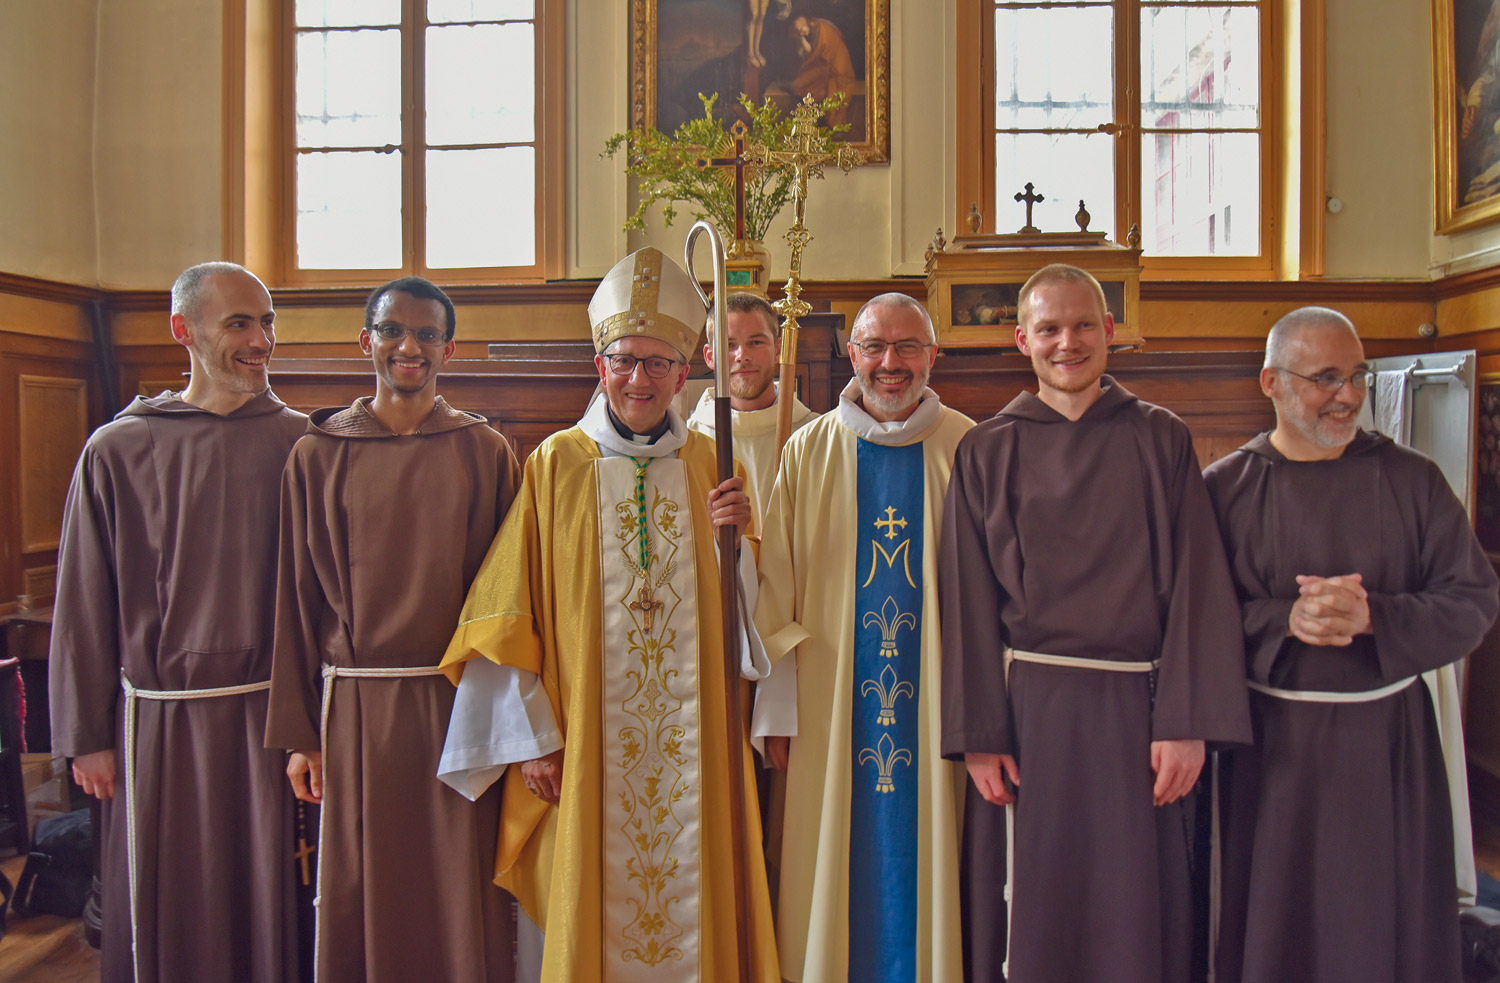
1357 573
161 653
388 508
1091 648
869 860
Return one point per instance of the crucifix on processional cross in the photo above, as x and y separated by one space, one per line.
806 159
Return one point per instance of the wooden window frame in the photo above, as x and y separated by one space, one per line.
1299 212
261 152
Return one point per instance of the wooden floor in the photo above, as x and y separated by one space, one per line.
49 949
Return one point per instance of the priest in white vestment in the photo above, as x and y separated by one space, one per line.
755 350
869 866
589 657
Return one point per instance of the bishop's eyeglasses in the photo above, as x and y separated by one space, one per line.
656 366
1332 382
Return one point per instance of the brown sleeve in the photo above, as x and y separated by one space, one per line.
975 705
84 662
294 716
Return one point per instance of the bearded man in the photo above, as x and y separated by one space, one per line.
1091 649
1357 572
161 652
869 861
755 351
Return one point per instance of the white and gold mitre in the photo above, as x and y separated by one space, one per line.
647 294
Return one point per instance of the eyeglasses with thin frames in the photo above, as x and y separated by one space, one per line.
656 366
875 348
1332 382
391 331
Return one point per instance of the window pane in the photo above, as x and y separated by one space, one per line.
1064 168
348 211
481 207
348 88
348 13
444 11
1200 67
1200 194
481 84
1054 68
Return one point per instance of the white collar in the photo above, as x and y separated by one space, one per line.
597 425
914 428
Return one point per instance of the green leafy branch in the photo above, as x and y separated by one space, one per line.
667 166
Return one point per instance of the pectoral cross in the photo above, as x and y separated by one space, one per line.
647 606
302 852
1030 199
739 162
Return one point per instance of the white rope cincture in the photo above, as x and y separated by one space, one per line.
1067 662
1318 696
132 695
329 673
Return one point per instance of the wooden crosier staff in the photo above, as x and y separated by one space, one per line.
729 593
805 160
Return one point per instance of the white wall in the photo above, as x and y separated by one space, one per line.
46 115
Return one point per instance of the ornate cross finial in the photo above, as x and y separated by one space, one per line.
805 160
740 163
1030 199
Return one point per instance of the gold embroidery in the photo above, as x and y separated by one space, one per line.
885 757
890 619
890 522
652 767
903 551
887 688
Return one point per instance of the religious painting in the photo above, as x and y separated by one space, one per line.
777 49
1466 85
1487 457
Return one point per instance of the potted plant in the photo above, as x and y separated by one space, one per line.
670 170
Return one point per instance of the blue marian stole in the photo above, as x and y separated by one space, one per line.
887 672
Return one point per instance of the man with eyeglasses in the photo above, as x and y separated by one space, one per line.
388 508
590 668
161 648
869 861
1357 572
1091 649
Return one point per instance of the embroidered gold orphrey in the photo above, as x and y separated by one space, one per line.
652 782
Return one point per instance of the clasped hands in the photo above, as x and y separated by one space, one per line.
1329 610
1176 764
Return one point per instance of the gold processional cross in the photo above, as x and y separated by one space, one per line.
806 160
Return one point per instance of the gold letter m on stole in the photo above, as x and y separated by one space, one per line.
903 551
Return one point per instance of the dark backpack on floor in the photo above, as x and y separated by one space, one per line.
59 868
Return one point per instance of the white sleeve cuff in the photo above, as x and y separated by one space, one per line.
501 714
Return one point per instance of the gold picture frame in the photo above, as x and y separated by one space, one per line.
679 48
1466 113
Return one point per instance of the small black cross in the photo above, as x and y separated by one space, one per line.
1031 199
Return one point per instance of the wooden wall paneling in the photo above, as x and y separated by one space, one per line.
52 421
40 583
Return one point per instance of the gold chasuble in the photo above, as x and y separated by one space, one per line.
817 551
630 876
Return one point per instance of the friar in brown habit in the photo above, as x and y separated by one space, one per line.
388 508
1080 554
1357 572
161 651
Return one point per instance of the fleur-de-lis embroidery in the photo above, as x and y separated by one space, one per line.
890 619
885 757
887 688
